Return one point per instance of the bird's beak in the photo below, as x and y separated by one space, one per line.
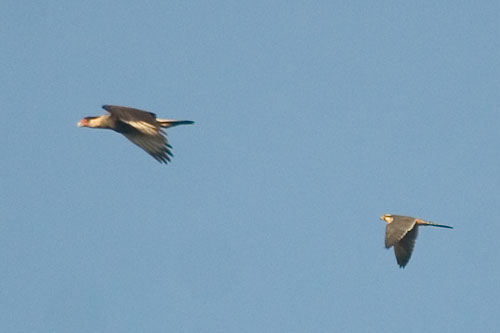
79 124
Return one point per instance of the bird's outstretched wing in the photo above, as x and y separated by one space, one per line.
127 113
154 144
143 121
397 229
404 247
141 128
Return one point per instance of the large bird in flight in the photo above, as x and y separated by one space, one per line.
401 232
139 126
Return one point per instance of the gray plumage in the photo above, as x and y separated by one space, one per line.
401 232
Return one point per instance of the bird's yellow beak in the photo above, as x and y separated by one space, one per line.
79 124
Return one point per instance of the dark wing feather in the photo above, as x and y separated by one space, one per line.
141 128
156 145
404 247
127 114
397 229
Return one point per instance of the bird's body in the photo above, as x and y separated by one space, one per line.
139 126
401 232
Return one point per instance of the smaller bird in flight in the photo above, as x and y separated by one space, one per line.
401 232
139 126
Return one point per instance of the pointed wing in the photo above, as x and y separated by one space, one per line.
397 229
126 112
141 128
404 247
143 121
156 145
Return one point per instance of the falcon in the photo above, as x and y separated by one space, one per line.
401 232
139 126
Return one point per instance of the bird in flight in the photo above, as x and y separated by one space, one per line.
139 126
401 232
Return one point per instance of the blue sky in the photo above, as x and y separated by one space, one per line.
312 120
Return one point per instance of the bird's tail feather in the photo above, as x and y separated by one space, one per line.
166 123
436 225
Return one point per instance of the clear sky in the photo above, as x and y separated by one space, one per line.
313 118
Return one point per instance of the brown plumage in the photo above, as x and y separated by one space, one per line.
401 232
140 127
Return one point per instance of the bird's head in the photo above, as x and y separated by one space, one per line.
87 122
83 123
387 218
